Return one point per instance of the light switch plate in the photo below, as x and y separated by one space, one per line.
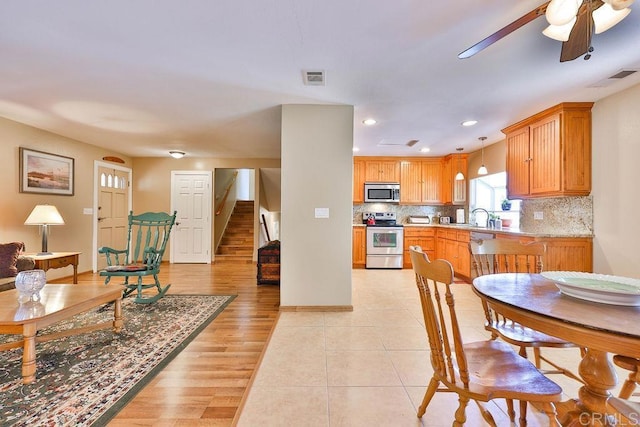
322 212
538 215
87 211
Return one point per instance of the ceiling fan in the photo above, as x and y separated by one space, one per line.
570 21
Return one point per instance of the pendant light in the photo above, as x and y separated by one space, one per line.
482 170
459 175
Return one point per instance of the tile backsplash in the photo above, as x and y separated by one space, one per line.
560 215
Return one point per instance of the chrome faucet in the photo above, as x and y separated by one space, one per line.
485 211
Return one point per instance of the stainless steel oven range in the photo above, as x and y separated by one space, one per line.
384 240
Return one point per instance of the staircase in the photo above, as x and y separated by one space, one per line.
236 245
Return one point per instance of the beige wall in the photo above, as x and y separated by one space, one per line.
616 176
152 180
76 234
317 169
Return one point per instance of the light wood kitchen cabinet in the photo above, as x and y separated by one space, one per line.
563 253
549 154
382 170
420 181
359 247
425 237
454 192
453 245
358 180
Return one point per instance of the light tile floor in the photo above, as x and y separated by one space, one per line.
369 367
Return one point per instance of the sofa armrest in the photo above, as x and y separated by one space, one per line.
25 263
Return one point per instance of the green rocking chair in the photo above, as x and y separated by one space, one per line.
146 241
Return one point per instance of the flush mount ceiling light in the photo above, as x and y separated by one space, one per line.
177 154
425 149
468 123
482 170
459 175
369 122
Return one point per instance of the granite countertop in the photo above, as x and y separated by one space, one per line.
509 231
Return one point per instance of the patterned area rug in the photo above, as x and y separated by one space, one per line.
86 379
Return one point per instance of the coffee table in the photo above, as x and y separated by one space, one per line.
57 302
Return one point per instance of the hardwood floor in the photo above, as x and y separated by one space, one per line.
206 382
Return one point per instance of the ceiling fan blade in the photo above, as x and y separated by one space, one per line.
525 19
580 37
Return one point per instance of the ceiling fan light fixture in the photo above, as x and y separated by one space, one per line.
559 32
606 17
561 12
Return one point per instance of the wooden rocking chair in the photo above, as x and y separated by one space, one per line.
146 242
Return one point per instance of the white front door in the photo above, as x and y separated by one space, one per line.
112 204
191 198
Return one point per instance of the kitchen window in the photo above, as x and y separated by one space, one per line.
488 192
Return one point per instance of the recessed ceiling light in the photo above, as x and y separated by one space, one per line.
425 149
369 122
469 122
355 149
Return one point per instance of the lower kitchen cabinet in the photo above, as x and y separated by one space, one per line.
425 237
453 245
359 249
563 253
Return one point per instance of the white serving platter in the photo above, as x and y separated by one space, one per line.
594 287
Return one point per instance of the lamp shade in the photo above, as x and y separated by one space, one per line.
560 32
561 12
482 170
606 17
44 215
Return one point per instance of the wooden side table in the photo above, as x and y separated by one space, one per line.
57 260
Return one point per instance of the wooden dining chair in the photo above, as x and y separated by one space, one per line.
632 365
509 256
479 371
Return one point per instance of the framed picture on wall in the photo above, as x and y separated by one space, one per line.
45 173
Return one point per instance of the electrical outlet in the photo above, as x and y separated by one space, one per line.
538 215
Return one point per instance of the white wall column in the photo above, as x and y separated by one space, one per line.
317 170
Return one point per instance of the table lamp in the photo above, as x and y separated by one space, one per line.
44 215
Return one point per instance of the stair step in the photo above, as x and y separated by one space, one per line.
235 250
233 259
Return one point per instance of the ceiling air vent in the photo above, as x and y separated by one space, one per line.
614 78
398 142
313 77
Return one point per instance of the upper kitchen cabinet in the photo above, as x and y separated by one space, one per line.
381 170
549 154
358 180
421 181
454 192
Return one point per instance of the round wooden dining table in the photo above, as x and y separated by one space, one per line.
535 302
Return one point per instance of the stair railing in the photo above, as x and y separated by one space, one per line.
220 207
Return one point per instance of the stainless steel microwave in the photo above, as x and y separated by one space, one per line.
382 192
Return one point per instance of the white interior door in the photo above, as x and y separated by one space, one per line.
112 205
191 198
